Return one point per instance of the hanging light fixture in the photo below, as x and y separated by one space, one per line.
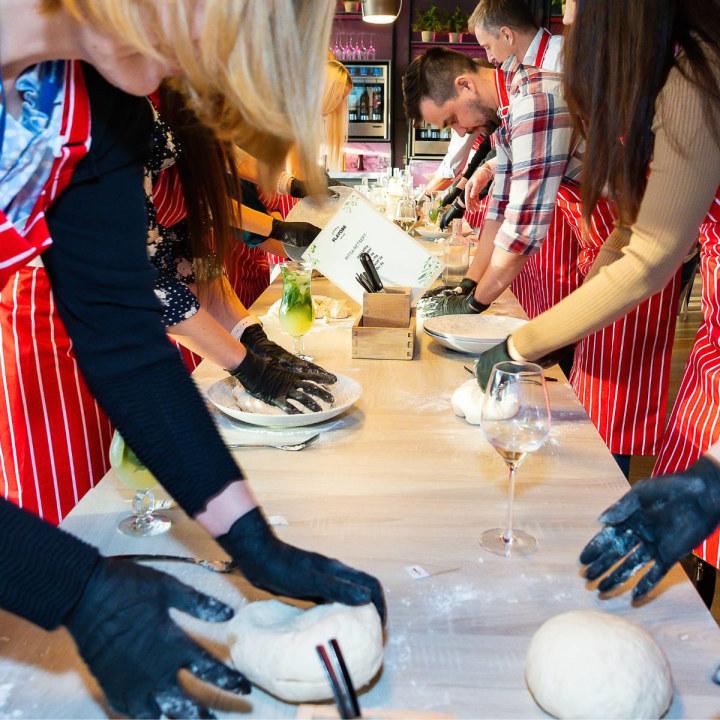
381 12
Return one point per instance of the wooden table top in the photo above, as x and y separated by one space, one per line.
402 482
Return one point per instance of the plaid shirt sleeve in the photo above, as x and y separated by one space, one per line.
533 151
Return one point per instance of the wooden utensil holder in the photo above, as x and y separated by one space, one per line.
386 330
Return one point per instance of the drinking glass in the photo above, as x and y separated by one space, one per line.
296 308
405 213
516 421
371 48
134 475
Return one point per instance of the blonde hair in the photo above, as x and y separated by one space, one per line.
335 111
252 76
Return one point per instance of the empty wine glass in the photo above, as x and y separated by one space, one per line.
516 421
371 48
134 475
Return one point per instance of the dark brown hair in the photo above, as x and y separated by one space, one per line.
209 182
494 14
618 54
432 75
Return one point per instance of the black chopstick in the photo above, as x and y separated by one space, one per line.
363 280
344 705
371 271
346 676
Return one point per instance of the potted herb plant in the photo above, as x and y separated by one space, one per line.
457 24
428 23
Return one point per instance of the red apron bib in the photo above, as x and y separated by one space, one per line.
621 372
53 435
695 419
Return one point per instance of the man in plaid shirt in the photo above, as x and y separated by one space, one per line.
536 151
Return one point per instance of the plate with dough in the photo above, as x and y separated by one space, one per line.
471 333
430 232
231 398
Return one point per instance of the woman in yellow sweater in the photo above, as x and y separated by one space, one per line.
661 77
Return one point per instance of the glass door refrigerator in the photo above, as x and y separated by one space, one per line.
369 101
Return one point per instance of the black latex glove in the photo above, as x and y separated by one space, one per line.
277 567
125 635
297 234
274 384
451 195
255 338
465 287
661 519
487 361
454 212
297 188
451 305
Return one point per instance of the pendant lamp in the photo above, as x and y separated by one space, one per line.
381 12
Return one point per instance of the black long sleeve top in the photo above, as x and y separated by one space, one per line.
103 286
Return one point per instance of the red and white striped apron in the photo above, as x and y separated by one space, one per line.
695 419
621 372
53 435
550 274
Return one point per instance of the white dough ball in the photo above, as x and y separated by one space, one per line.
467 402
588 664
273 645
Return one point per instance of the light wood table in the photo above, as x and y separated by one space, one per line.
404 482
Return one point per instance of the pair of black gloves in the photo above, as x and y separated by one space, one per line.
123 630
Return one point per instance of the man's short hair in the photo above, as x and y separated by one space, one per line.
494 14
432 75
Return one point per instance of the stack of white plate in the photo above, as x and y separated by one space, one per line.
473 334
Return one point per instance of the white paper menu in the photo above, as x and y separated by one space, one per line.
358 227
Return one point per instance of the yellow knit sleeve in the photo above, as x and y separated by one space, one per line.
684 177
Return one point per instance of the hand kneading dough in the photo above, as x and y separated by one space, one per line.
273 644
587 664
248 403
467 402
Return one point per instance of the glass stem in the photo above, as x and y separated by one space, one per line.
299 345
508 534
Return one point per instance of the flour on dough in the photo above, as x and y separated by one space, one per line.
273 645
467 402
248 403
588 664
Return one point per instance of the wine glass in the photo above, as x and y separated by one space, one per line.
406 213
516 421
134 475
296 307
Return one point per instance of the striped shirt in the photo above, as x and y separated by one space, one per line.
536 151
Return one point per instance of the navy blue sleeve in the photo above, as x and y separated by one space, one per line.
104 288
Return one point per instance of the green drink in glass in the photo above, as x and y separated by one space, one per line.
134 475
296 308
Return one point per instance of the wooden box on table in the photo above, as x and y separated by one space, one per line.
386 330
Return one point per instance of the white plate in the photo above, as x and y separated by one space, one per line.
471 333
430 232
346 392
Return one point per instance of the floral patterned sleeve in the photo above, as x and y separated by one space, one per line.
168 247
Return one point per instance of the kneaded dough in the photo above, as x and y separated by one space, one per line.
467 402
588 664
273 645
249 403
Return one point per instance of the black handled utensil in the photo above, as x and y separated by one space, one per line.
339 678
363 279
371 270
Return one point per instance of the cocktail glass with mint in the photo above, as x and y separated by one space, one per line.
296 307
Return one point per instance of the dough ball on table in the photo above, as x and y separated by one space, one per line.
587 664
467 402
273 644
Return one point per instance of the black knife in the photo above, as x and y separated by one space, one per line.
371 270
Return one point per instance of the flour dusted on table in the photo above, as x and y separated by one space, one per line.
273 644
588 664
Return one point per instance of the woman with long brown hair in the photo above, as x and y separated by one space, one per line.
643 80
